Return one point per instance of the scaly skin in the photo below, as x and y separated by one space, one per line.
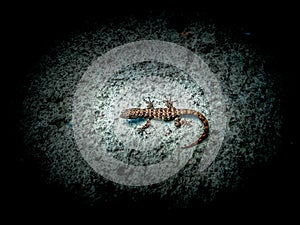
166 114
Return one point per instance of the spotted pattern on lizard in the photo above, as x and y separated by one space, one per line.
167 114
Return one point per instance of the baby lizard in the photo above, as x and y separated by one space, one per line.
166 114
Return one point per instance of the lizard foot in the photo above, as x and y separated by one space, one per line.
149 103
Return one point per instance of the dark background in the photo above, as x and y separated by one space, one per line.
271 189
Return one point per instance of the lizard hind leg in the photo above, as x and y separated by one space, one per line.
177 121
181 122
169 102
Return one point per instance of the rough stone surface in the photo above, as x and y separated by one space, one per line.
250 92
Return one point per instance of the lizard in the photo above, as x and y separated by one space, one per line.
166 114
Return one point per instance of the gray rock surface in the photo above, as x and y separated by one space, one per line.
251 97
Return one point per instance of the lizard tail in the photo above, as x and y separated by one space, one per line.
203 120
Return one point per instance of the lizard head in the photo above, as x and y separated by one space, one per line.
129 114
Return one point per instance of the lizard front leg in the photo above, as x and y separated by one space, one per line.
149 103
142 129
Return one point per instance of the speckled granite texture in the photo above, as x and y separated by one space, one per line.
252 111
